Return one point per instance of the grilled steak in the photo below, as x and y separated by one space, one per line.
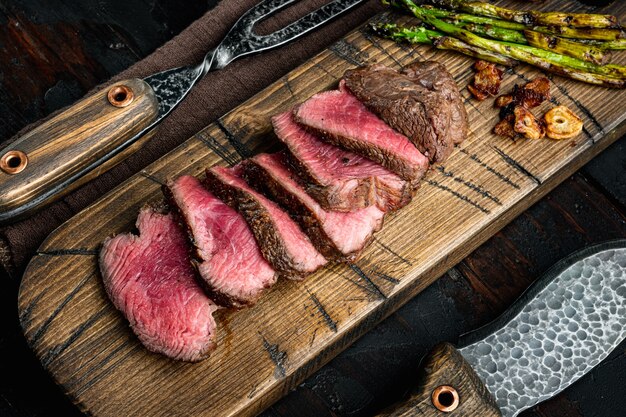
337 235
228 259
338 179
343 120
435 77
282 242
149 278
421 102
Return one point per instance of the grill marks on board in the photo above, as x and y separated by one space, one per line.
458 195
349 53
332 324
369 286
218 148
101 370
389 250
515 164
325 71
52 354
376 43
279 357
46 324
234 139
479 189
504 178
287 85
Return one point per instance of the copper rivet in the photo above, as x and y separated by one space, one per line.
13 162
445 398
120 95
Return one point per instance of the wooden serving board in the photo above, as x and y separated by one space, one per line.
296 327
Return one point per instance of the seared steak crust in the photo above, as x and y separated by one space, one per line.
337 179
434 76
340 118
282 243
415 102
336 235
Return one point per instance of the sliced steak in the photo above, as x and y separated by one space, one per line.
435 77
149 278
282 242
337 235
418 103
343 120
228 259
338 179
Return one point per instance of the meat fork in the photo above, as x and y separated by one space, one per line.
100 130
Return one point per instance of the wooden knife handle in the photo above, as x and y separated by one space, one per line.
448 387
46 163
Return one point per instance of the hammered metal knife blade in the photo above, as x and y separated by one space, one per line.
100 130
563 326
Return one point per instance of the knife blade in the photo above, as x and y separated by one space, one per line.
562 327
100 130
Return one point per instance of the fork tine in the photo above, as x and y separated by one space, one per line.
261 11
241 40
304 24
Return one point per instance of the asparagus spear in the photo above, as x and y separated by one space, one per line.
531 17
494 32
453 44
421 35
523 53
403 34
463 17
602 34
439 40
579 50
616 44
567 47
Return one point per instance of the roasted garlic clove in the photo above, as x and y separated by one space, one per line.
503 101
562 123
527 124
504 127
533 93
486 81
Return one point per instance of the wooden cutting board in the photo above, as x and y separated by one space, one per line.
296 327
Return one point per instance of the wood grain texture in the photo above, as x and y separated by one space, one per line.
444 366
71 142
264 351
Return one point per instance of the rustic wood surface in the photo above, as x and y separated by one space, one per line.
368 375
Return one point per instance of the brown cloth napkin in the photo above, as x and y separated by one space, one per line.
215 95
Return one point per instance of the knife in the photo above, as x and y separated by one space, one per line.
563 326
100 130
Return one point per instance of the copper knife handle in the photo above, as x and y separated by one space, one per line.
448 387
56 157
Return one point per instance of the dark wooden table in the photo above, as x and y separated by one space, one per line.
53 51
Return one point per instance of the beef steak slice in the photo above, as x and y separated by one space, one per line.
227 257
434 76
337 179
343 120
415 108
149 278
282 243
337 235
